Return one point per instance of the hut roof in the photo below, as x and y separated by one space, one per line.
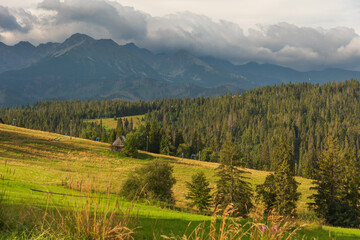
118 142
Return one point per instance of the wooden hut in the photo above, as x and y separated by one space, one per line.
118 144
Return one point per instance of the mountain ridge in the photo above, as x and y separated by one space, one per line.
82 67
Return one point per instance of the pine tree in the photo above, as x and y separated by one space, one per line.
279 191
120 128
265 156
179 139
112 136
199 191
311 160
328 183
196 143
231 187
286 186
350 197
165 143
154 137
266 193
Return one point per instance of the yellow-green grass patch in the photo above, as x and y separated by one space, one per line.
111 123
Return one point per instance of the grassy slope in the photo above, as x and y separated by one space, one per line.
110 123
53 162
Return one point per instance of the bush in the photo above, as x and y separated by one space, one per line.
153 181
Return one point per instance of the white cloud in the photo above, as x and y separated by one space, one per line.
280 43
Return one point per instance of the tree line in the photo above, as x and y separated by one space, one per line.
304 113
69 117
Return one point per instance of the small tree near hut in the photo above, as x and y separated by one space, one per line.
131 145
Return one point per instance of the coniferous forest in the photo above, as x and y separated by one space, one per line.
259 120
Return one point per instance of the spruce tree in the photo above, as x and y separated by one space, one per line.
279 191
199 191
120 128
154 137
350 197
328 183
165 143
231 187
179 139
266 193
286 186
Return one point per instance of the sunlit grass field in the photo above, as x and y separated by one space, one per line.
35 160
111 123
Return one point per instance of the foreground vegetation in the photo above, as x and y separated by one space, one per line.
77 167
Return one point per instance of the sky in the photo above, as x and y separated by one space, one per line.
304 35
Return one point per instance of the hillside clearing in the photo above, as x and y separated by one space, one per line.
111 123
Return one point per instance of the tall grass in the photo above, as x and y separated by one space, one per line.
91 219
90 216
259 227
83 215
4 178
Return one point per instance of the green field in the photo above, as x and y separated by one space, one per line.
111 123
50 162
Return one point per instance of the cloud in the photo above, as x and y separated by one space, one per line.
122 22
283 43
302 48
8 21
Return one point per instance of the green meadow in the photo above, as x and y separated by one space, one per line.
111 123
46 174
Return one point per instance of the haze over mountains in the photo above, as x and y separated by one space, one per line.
84 68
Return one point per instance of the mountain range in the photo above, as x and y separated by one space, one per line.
84 68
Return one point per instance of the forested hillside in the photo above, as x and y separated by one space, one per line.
67 117
302 113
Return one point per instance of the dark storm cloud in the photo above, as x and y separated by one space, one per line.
286 44
283 43
8 21
122 22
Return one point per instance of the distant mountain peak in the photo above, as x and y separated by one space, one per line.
131 44
77 38
72 42
24 44
80 36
